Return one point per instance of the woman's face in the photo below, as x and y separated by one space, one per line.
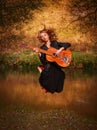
44 37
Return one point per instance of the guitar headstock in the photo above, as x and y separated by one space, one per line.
24 45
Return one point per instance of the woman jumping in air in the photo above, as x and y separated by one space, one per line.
51 74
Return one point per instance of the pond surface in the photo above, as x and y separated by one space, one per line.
79 94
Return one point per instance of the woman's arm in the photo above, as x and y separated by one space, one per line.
64 44
59 50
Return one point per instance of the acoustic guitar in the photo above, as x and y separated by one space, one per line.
63 59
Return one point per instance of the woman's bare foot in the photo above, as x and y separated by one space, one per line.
39 69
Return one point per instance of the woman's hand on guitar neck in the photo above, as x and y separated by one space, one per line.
36 49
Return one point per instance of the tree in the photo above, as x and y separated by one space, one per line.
13 11
83 12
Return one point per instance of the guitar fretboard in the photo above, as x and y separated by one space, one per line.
42 51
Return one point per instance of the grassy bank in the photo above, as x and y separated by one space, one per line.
27 60
21 61
84 60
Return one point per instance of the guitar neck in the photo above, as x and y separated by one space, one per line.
42 51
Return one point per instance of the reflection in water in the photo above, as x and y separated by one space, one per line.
79 93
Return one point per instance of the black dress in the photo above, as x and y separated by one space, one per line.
52 77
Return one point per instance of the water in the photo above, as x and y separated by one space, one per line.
79 94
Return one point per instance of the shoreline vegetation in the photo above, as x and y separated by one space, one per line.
27 60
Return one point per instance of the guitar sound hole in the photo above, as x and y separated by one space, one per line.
54 54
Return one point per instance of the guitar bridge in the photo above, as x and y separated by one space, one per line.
66 60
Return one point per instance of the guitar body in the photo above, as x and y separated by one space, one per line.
63 59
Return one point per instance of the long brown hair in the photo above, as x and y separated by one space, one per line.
50 32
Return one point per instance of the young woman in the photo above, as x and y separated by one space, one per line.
51 74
